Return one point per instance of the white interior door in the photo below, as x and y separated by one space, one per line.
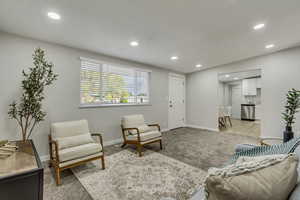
176 101
237 100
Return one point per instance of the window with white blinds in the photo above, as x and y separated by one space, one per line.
109 84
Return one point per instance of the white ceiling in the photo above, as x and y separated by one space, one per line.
235 76
210 32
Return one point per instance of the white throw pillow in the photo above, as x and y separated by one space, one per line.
72 141
253 178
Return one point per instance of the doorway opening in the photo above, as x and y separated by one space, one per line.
240 103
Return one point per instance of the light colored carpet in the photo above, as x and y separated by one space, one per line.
198 148
129 177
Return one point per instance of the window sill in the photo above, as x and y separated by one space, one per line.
112 105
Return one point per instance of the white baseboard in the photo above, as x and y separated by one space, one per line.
202 127
45 158
107 143
113 142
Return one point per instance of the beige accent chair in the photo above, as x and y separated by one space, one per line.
135 131
71 144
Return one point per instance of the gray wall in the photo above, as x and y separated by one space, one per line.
224 94
62 99
280 72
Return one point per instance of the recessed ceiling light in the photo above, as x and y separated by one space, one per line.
258 26
174 58
235 78
198 65
227 75
269 46
53 15
134 43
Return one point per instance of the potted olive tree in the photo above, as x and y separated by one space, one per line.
291 108
28 111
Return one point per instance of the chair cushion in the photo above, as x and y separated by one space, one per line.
72 141
145 136
142 129
79 151
71 128
70 162
133 121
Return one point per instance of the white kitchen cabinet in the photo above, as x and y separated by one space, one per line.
249 87
258 83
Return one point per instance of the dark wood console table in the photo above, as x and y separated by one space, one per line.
22 174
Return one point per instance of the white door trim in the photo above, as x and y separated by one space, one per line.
184 95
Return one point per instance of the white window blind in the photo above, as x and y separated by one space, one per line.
108 84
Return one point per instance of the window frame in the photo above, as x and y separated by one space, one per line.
95 105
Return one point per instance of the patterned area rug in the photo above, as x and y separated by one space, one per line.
129 177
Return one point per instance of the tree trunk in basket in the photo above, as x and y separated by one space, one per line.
25 146
24 136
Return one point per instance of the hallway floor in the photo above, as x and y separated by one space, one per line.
241 127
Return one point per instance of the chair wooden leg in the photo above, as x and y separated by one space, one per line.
224 122
230 121
139 148
103 163
50 164
221 122
123 145
57 176
160 143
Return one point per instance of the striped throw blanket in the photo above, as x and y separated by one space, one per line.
284 148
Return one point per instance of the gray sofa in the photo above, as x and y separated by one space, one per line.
295 195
